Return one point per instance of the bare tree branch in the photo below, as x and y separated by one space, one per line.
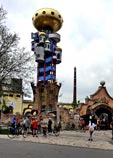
15 62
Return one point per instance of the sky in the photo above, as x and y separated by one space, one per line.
86 41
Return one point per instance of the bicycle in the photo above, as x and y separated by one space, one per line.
15 131
56 131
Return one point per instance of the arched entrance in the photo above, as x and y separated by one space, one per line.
104 114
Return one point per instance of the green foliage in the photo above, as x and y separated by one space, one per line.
11 108
4 131
6 109
4 103
74 104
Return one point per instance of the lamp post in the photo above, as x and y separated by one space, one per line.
58 112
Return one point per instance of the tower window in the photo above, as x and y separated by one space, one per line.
17 95
43 12
38 55
36 14
58 56
52 13
40 38
45 45
5 95
11 95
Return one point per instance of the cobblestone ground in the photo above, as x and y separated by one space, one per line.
101 139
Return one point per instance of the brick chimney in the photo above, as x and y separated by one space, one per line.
74 88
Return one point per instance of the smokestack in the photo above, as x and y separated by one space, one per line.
74 89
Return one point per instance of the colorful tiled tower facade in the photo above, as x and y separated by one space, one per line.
48 54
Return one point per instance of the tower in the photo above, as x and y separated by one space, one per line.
74 89
48 54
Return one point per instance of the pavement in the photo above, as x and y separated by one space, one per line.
101 139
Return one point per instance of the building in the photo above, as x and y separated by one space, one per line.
99 104
11 94
44 98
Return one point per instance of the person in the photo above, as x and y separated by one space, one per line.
56 127
60 126
73 126
111 126
17 124
82 123
49 125
13 121
39 127
31 124
91 129
98 123
26 124
35 127
44 125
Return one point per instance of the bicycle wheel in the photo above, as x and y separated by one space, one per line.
11 132
56 132
24 133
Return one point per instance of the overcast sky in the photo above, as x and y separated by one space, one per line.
86 40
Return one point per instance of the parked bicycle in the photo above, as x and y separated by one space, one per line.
56 130
16 131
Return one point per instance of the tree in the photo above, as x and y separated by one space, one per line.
74 104
15 62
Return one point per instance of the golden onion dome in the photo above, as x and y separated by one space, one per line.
42 33
47 18
58 48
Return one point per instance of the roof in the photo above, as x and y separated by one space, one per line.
99 90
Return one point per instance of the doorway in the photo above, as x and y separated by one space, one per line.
104 115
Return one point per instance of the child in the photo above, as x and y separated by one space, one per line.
35 127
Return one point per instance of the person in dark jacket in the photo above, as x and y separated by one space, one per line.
111 126
49 125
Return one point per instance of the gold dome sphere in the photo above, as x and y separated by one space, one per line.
47 18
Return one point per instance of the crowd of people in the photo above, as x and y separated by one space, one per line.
46 125
35 124
91 123
95 124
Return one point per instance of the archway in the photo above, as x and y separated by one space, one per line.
104 113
